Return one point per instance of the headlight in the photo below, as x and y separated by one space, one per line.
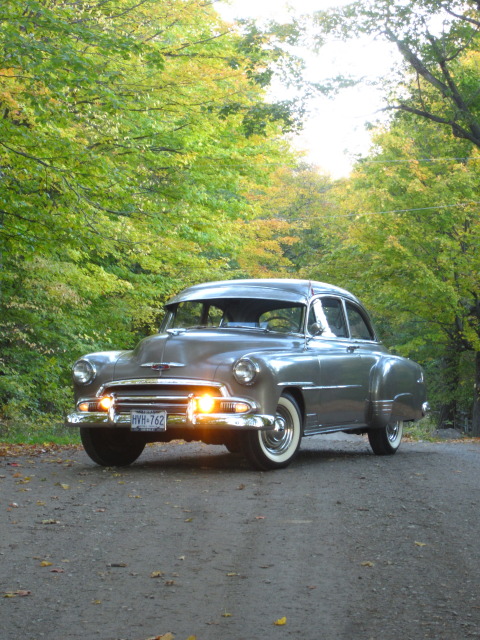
83 372
245 371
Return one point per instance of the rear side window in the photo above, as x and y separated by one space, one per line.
359 327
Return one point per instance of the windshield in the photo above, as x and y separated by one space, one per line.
269 315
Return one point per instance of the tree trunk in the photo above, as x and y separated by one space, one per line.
446 415
450 381
476 398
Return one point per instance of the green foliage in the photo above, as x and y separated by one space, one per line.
116 174
406 232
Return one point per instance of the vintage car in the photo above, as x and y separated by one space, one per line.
254 365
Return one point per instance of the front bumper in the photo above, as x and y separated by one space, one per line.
256 422
180 399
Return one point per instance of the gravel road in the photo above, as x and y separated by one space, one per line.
190 543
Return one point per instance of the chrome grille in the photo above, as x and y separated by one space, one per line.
157 394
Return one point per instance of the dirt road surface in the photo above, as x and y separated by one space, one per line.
190 543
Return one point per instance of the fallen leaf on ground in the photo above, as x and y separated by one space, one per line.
14 450
367 563
21 593
420 544
45 563
280 622
156 574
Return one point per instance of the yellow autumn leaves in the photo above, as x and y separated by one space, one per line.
171 636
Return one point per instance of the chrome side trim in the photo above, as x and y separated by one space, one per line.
382 408
337 386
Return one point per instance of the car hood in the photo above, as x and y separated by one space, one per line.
197 353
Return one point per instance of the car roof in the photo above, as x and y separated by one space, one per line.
288 290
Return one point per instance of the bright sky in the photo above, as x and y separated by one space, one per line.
335 131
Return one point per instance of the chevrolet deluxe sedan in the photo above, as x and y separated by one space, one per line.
254 365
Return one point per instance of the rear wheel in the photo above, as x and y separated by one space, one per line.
112 447
276 449
385 441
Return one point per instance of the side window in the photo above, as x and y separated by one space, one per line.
359 328
326 314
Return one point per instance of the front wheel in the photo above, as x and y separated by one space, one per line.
267 450
112 447
385 441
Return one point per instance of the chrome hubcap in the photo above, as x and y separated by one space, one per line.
394 431
277 442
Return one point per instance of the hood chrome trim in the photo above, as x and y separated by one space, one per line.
162 366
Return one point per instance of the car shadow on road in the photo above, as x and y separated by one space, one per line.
199 457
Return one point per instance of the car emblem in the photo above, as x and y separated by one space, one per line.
160 366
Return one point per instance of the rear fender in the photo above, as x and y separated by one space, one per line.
397 392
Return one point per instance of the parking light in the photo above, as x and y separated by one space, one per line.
205 404
105 403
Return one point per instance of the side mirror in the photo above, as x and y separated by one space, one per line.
316 329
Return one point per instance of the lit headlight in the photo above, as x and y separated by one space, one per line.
245 371
83 372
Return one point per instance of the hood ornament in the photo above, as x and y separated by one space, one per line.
162 366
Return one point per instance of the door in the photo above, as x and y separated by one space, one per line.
342 389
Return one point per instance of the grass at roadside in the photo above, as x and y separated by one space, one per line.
421 430
40 431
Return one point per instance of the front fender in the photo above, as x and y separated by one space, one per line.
276 373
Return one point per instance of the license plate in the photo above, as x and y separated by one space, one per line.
148 420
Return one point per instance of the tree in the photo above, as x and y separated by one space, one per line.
286 209
438 84
432 36
411 230
130 133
